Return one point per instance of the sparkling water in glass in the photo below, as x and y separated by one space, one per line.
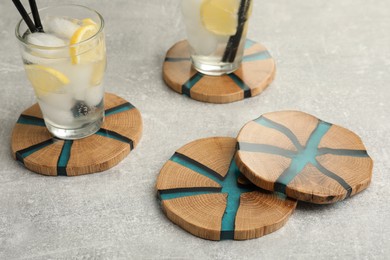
65 66
216 32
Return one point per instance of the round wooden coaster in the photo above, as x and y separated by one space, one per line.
201 190
303 157
255 74
40 152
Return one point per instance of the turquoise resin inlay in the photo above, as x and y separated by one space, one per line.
264 55
305 154
249 43
67 147
31 120
229 186
64 158
186 87
119 109
241 84
304 157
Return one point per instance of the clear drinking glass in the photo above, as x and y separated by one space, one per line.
216 32
65 66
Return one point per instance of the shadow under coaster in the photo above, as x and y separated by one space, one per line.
256 72
40 152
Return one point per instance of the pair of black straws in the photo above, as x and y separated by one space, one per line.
35 26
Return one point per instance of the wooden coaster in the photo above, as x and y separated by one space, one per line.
255 74
40 152
201 190
303 157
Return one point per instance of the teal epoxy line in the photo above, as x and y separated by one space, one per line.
239 82
264 148
335 177
343 152
28 151
119 109
306 156
172 59
311 148
234 191
284 130
29 120
189 193
230 187
186 88
65 154
115 136
249 43
174 194
264 55
195 168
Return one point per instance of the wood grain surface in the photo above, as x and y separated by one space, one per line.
296 154
257 71
202 191
40 152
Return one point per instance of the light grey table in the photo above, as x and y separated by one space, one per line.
333 60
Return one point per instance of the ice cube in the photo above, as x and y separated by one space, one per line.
63 101
94 95
45 40
61 26
202 41
34 58
80 78
78 91
49 41
55 115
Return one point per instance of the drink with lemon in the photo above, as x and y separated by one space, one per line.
65 65
216 31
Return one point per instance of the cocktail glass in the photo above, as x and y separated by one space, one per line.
65 65
216 32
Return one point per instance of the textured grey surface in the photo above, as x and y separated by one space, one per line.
333 60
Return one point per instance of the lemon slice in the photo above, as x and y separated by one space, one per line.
83 51
88 21
100 66
220 16
45 80
98 72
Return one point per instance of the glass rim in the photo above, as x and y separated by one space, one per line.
30 45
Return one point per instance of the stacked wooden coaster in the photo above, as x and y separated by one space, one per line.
256 72
225 188
39 151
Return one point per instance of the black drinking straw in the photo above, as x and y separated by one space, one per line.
234 41
35 13
25 16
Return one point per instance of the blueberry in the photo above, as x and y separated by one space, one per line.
80 109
